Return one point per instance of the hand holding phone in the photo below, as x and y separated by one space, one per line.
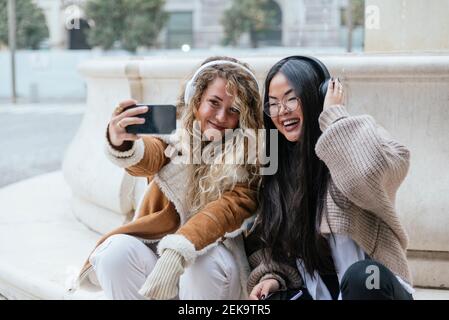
123 116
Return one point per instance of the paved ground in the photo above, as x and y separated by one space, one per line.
34 138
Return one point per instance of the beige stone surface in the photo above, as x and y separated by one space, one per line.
41 243
407 26
49 244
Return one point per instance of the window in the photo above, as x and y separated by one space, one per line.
179 29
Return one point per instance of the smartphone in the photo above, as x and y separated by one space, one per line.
159 119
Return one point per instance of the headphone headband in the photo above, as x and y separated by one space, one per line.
190 86
314 61
318 65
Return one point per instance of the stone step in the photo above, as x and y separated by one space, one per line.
41 243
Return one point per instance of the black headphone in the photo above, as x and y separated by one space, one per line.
319 67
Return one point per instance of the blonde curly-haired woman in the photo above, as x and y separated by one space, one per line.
185 240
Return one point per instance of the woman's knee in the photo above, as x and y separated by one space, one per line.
119 253
214 275
365 279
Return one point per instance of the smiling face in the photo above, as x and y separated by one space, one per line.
288 122
216 112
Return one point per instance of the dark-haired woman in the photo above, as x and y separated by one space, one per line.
328 227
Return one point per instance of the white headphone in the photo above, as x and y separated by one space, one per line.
190 86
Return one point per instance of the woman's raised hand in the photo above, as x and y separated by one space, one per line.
121 119
335 93
263 289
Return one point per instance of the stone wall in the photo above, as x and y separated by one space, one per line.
407 26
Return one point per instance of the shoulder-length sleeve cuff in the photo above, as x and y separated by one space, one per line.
181 245
128 158
332 114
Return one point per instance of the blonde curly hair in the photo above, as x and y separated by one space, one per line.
210 181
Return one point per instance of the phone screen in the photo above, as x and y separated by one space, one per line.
159 119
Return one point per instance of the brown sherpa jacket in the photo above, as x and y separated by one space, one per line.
161 211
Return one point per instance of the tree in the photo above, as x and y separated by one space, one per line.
31 24
358 13
131 23
352 16
252 16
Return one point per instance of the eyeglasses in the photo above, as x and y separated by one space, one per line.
273 109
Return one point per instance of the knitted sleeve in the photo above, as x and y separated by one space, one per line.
263 268
365 164
287 276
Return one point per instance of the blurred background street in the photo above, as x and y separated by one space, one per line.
34 138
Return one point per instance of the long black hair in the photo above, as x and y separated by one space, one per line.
293 197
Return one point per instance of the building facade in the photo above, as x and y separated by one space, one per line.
197 23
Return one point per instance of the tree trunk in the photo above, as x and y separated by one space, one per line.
349 23
253 38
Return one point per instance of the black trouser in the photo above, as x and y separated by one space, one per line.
371 280
364 280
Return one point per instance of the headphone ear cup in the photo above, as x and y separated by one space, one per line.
323 89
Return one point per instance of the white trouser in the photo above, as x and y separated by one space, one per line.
122 264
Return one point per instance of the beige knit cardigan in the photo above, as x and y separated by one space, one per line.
366 168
